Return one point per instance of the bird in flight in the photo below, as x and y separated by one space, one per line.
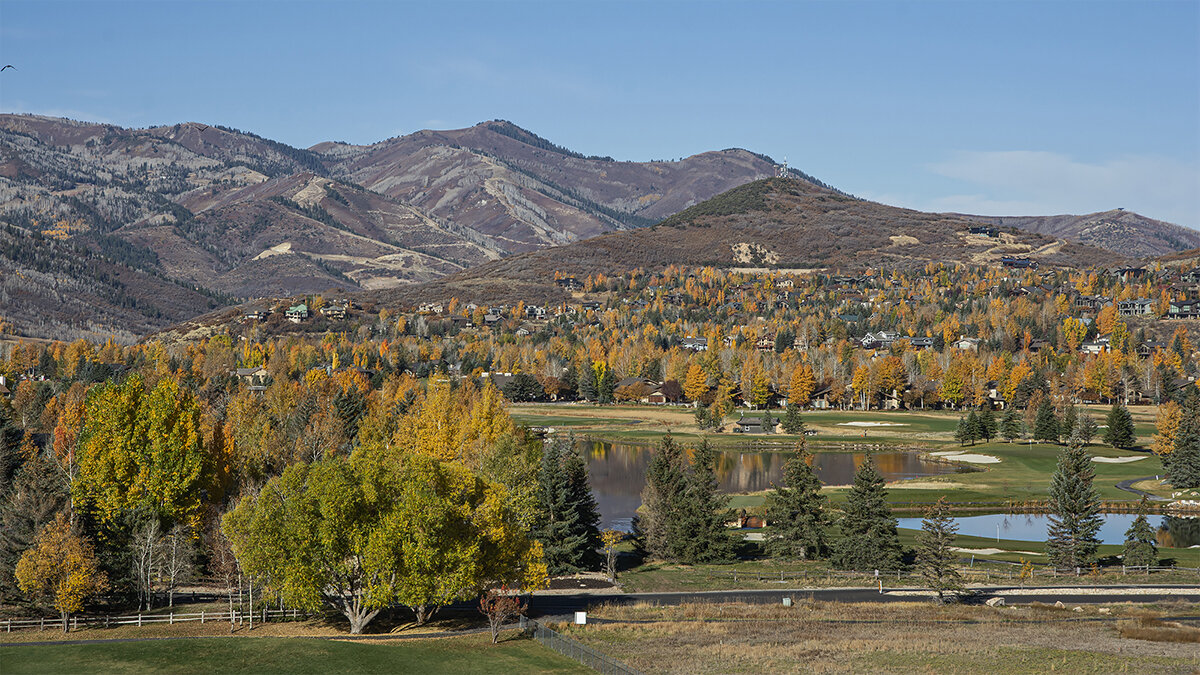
7 67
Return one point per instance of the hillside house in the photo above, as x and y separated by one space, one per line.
1130 273
1184 309
1138 307
965 343
1147 348
881 340
765 344
695 344
431 308
297 313
751 425
335 312
1018 263
1095 346
1191 276
535 312
1091 302
256 314
569 283
985 230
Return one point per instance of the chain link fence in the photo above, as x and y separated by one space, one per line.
576 650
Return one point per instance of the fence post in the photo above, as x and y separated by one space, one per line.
75 622
171 619
42 627
139 619
201 617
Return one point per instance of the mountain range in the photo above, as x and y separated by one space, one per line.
108 230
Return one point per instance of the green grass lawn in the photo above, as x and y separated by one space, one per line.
460 655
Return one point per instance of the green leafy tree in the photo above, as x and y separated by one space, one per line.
1140 547
935 558
1119 433
1010 426
795 512
869 539
700 533
1075 510
1045 426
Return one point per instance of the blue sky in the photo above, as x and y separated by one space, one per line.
1005 108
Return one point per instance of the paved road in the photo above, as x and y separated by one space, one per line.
1125 485
561 604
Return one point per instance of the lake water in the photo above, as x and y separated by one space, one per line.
618 473
1170 531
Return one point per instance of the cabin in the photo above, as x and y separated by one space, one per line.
965 343
751 425
1018 263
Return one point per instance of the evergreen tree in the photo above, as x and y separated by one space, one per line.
987 424
569 526
974 428
605 385
793 422
1069 421
1085 429
1184 467
869 538
700 533
768 422
1119 433
662 498
37 495
579 494
703 418
935 559
796 513
1045 426
1140 549
1010 426
962 433
1075 510
586 385
560 530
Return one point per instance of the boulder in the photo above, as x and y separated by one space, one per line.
995 602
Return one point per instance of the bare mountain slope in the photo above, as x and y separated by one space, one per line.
777 223
1118 230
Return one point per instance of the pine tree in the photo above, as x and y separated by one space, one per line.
1085 429
1069 421
1045 426
579 493
768 422
869 538
793 422
962 433
974 429
796 513
1010 427
700 533
935 559
560 531
1184 468
1119 433
1140 549
987 424
661 499
37 495
1075 510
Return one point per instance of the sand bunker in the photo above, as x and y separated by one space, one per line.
960 456
990 551
1119 460
871 424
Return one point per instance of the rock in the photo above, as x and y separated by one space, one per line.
1105 610
995 602
1077 609
1059 605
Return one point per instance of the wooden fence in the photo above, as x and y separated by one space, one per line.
973 573
109 621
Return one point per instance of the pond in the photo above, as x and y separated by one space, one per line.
618 473
1171 531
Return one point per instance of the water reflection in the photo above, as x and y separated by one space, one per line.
618 472
1171 531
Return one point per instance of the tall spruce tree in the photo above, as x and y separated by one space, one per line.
1069 421
1045 426
793 422
37 495
1075 510
579 492
935 559
987 424
1119 433
569 524
700 532
796 512
962 432
1140 548
1010 427
1085 429
869 539
1184 468
974 427
662 498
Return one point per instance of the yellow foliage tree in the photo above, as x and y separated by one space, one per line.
1170 415
60 570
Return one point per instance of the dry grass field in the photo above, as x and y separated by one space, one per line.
893 638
